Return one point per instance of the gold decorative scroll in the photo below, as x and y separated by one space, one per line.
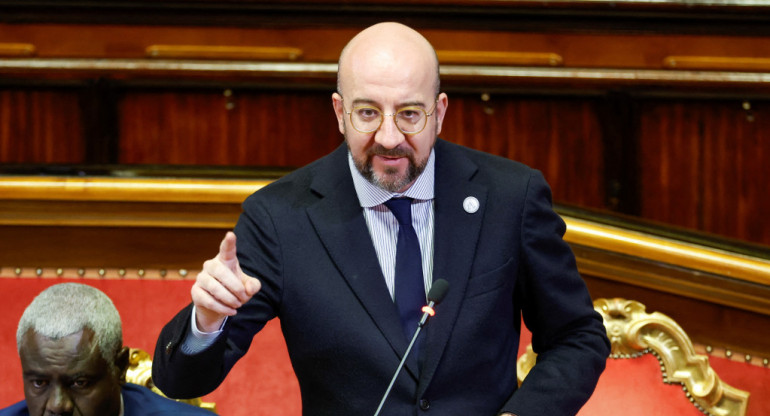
499 58
721 63
17 49
633 332
256 53
140 372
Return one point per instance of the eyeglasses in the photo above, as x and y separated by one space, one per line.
409 120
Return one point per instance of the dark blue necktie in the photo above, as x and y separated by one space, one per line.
409 283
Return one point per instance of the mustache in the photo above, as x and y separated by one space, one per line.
379 150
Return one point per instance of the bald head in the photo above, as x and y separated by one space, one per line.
394 51
389 72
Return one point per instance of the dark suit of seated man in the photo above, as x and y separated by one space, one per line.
73 360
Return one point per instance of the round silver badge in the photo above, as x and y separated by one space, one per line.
471 205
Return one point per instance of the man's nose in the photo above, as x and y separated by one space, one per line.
388 135
59 402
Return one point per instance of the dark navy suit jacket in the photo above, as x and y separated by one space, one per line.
305 238
137 401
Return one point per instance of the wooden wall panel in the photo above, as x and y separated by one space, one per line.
607 124
703 166
559 136
240 128
40 126
735 171
258 128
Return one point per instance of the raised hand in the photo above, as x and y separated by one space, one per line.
221 287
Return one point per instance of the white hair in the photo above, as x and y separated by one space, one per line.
68 308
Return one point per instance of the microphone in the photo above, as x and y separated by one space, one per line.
436 294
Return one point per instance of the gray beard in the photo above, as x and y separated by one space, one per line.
391 180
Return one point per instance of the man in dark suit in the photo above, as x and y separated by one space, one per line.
321 250
74 362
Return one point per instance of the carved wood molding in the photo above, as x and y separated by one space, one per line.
128 189
298 72
667 251
157 202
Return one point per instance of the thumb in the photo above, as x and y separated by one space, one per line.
251 284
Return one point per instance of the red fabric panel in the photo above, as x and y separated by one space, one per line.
748 377
635 387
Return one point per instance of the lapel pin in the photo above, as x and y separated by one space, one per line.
471 205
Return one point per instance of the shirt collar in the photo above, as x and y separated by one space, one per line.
370 195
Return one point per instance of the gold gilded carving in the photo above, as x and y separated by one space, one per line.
499 58
17 49
140 372
525 363
722 63
260 53
634 332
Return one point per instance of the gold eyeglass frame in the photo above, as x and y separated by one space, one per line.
383 115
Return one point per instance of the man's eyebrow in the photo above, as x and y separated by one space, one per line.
361 101
367 101
412 104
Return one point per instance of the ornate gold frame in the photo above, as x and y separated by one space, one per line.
140 372
633 332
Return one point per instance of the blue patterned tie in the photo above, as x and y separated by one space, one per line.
409 283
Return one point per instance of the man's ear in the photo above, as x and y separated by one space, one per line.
121 363
441 106
339 111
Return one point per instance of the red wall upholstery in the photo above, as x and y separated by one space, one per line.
635 387
263 383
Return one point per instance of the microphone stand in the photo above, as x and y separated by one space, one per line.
435 296
403 359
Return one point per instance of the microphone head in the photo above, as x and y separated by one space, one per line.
437 291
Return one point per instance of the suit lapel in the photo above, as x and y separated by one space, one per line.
456 238
340 224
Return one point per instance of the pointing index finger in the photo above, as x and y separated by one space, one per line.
227 251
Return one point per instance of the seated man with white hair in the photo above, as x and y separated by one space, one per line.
74 363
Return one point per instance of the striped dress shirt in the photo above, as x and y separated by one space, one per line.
383 226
